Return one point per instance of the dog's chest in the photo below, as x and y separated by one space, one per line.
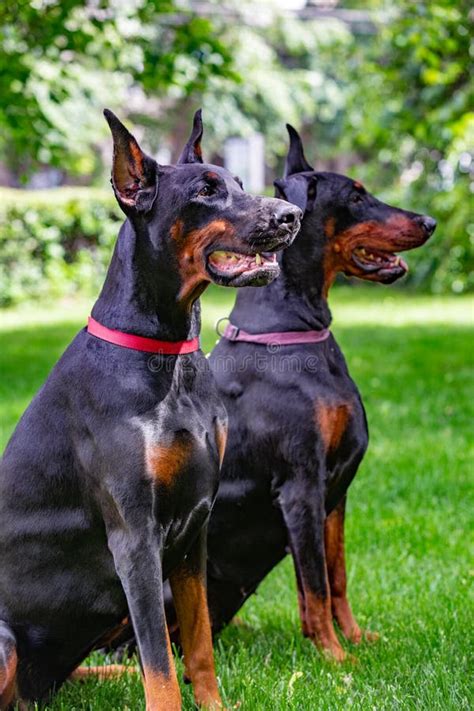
182 434
183 439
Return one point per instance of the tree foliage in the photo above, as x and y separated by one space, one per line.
61 61
409 115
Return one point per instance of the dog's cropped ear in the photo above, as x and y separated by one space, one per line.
134 174
191 152
298 189
295 160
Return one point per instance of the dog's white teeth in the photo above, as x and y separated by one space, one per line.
274 257
397 261
362 250
258 259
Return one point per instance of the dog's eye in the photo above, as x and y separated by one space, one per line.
206 191
356 198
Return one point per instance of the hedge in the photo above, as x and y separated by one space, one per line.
58 242
54 242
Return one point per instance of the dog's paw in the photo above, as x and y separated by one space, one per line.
334 653
369 636
239 622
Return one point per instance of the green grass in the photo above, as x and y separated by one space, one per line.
409 524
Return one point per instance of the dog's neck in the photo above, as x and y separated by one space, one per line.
293 302
140 292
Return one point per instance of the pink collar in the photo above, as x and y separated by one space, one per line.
284 338
140 343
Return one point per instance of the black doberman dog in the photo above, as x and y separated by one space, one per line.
297 426
107 483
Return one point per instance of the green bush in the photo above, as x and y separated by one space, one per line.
54 242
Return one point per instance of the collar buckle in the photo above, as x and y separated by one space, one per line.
232 332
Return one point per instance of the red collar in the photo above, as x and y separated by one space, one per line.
140 343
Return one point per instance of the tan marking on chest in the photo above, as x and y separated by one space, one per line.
165 462
332 421
221 431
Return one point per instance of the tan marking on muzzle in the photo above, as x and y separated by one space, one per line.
398 233
190 254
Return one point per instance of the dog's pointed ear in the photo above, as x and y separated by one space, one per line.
295 160
191 152
298 189
134 174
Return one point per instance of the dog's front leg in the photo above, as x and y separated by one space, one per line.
302 506
137 557
188 585
334 542
336 565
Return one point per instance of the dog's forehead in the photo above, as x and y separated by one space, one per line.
207 171
336 182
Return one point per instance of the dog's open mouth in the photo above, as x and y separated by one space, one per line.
378 262
230 266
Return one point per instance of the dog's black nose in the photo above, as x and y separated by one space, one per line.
428 224
286 214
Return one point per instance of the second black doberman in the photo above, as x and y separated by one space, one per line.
108 480
297 426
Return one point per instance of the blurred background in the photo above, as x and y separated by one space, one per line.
379 90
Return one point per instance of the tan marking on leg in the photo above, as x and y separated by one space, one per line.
190 599
336 564
165 462
239 622
334 543
320 627
8 669
332 421
302 613
110 671
301 600
162 692
221 431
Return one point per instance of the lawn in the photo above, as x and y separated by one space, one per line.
409 523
